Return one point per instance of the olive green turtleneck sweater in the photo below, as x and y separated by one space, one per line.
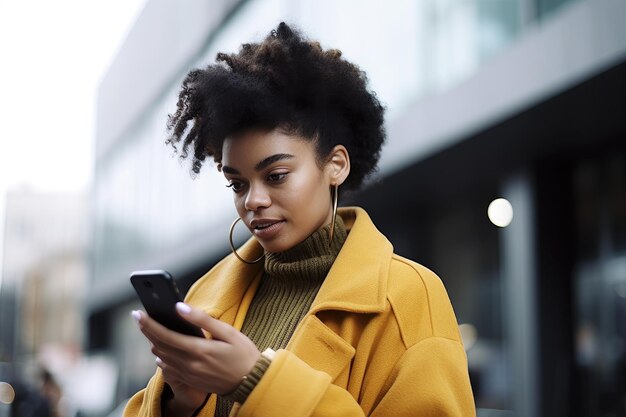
289 285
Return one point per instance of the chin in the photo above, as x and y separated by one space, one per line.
276 247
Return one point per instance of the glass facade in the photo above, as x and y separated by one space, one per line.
600 285
408 50
547 8
146 202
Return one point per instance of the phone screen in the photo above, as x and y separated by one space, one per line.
158 294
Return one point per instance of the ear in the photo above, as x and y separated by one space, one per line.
338 165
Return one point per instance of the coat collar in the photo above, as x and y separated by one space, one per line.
357 281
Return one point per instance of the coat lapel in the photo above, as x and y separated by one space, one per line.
227 290
357 283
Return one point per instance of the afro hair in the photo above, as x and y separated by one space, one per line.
286 82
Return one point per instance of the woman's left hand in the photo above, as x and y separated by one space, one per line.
215 364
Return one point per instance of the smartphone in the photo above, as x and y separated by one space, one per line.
158 294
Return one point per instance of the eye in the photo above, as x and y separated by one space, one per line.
236 186
277 177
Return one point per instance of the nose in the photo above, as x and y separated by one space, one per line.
257 198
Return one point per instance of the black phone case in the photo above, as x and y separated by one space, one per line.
158 294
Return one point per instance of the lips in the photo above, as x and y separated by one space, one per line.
259 224
264 225
266 228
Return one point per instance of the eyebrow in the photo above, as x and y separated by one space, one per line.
261 165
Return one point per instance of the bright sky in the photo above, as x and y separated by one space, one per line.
52 57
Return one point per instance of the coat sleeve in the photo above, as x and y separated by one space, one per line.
430 379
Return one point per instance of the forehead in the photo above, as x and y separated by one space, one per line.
255 145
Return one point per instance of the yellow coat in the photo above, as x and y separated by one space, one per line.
380 338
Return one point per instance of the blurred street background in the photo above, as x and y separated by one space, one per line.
504 172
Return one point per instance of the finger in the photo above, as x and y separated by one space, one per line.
159 335
218 329
170 372
181 360
152 329
171 356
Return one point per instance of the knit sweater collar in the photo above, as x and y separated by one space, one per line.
311 259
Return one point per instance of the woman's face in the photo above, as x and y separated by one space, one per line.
280 191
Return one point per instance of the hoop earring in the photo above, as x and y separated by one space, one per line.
232 246
334 195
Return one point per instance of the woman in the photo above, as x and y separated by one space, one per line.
346 327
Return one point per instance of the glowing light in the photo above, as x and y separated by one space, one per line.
500 212
7 393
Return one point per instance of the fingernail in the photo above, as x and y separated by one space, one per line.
183 308
136 315
158 361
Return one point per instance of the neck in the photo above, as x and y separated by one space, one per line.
313 257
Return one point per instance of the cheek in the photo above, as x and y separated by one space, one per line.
309 192
239 200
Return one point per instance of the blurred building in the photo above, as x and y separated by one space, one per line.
521 99
44 277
